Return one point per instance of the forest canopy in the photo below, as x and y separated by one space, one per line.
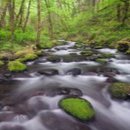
40 22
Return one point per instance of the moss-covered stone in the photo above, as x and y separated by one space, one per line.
87 53
78 108
120 90
29 57
54 58
123 46
1 63
16 66
102 61
105 55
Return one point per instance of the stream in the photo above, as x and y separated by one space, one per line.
29 101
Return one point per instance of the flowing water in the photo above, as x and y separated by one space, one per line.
31 102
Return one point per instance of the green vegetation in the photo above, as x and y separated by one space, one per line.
78 108
16 66
38 24
1 63
120 90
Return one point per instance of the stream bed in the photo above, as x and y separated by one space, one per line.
29 101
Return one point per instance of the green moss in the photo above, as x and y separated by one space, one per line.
29 57
106 55
16 66
78 108
87 53
120 90
1 63
103 61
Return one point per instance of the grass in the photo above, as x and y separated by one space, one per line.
16 66
120 90
78 108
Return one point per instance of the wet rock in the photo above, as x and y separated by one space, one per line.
54 58
7 75
72 105
120 90
63 91
123 46
128 97
74 71
9 126
49 72
54 121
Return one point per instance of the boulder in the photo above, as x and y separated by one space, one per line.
48 72
74 71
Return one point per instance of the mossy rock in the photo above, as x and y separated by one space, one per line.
105 55
1 63
77 107
102 61
54 58
29 57
128 52
87 53
120 90
16 66
123 46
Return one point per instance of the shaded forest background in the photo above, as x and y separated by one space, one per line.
42 22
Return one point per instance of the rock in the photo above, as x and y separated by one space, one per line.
77 107
120 90
16 66
123 46
74 71
7 75
128 97
54 58
63 91
48 72
53 121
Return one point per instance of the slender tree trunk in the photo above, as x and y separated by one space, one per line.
38 22
27 16
119 12
50 26
19 17
2 19
125 12
12 18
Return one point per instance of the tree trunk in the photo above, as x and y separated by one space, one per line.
12 14
27 16
50 26
38 22
2 19
19 17
125 12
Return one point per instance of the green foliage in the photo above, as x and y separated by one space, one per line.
120 90
23 37
4 34
78 107
16 66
